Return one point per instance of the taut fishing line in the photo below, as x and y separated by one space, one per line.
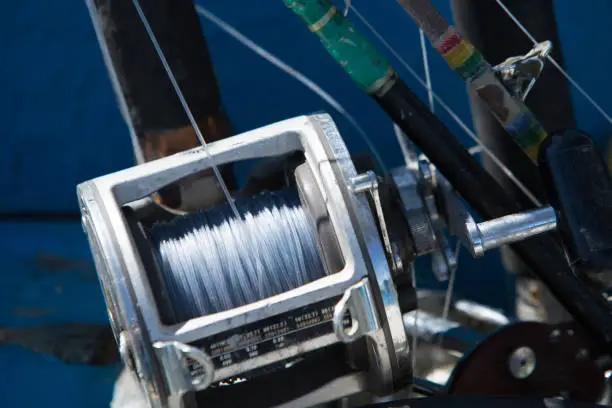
303 79
205 257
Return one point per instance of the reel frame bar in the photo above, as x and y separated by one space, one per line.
132 308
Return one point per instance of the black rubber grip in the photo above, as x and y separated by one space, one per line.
579 187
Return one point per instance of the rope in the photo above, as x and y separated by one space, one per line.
212 261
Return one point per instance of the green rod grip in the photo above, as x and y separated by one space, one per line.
362 61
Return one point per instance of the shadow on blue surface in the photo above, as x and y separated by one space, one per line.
48 277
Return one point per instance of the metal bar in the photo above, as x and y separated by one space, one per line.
516 227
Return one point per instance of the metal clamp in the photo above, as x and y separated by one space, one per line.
415 184
178 354
358 303
520 73
367 182
443 259
421 231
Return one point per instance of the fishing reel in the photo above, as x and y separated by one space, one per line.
302 296
338 332
344 328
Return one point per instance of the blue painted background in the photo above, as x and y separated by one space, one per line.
60 125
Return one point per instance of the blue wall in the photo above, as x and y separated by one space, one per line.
60 125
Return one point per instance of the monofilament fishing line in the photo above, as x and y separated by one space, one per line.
207 258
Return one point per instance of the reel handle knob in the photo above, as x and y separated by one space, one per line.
579 187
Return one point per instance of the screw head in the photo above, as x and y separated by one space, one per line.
582 355
555 336
522 362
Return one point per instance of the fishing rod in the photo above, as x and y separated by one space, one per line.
469 64
370 70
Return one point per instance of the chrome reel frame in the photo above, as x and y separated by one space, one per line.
159 353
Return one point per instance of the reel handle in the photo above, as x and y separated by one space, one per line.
579 186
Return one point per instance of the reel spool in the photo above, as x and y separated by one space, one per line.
347 305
